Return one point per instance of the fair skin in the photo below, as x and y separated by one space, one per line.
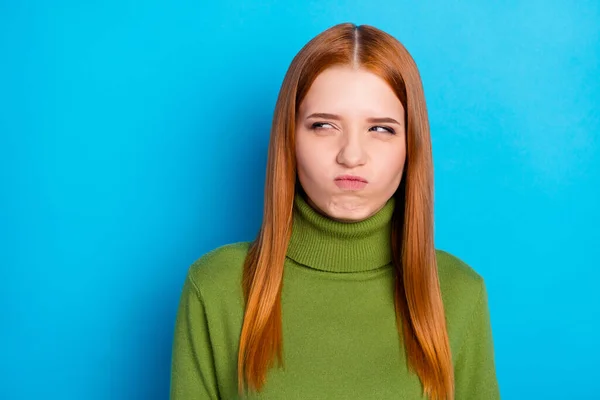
350 123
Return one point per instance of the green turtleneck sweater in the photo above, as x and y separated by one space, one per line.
340 339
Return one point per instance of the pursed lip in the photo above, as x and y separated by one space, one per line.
350 178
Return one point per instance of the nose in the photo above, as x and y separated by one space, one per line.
352 152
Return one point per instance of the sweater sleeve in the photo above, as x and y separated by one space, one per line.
475 372
192 363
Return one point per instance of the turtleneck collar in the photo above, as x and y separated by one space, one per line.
325 244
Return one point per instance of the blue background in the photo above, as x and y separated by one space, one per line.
133 139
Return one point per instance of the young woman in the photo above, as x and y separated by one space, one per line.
342 294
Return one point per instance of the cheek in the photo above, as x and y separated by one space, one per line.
311 158
301 153
390 163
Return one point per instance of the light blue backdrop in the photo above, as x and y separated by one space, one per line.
133 140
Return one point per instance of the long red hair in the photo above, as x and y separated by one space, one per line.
420 313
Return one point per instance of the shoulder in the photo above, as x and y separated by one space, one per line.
461 286
453 272
219 271
463 291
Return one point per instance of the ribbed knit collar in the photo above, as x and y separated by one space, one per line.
322 243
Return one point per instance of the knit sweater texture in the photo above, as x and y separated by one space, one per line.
340 339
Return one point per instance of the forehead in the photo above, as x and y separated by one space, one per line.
346 91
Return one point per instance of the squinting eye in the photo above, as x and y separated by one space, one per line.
318 125
385 129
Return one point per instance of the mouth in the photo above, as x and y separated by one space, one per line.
350 182
351 178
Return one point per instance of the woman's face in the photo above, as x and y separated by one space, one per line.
350 143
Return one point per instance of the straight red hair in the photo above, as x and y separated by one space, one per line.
420 316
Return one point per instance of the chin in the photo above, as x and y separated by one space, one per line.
350 215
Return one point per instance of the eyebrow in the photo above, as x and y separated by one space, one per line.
335 117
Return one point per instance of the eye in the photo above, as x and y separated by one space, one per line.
384 129
320 125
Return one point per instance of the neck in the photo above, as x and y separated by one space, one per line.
325 244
